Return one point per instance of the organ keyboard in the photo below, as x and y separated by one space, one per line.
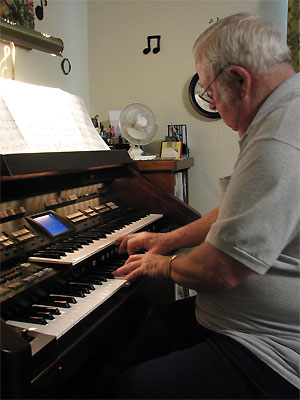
79 248
61 319
59 299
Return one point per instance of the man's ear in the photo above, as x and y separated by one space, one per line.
242 77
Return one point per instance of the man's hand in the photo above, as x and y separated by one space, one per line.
152 242
149 264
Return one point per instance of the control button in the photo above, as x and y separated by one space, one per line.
112 205
4 292
16 285
11 212
29 279
26 264
48 270
4 214
40 273
73 197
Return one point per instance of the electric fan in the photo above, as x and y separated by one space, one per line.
139 126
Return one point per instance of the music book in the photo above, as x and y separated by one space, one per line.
38 119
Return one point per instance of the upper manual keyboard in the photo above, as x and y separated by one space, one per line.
81 246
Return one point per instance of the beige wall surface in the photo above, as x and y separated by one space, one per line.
121 74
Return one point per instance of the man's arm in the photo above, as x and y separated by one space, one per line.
204 268
194 233
163 243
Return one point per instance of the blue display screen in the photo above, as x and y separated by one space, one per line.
51 224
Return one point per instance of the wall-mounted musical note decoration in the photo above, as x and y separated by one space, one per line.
156 49
212 20
39 10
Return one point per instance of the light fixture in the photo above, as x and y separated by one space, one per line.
29 38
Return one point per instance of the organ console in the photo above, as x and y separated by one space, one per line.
60 306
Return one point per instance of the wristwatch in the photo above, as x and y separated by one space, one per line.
201 106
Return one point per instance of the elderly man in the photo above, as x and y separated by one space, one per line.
239 338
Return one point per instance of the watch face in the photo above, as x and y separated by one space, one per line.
201 106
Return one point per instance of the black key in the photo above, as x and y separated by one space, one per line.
44 314
82 284
46 255
112 262
105 268
76 245
78 287
52 251
89 236
122 257
100 234
67 249
84 239
73 243
70 292
95 274
52 310
31 319
101 272
92 280
64 245
107 274
56 303
60 297
105 230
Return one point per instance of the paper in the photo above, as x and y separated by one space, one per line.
39 119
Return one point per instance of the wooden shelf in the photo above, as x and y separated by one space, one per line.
161 173
165 165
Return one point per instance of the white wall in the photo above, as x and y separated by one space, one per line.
65 19
121 74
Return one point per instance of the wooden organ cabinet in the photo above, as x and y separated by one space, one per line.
63 316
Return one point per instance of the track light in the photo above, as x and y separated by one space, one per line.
27 37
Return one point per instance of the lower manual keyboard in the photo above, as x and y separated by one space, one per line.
69 317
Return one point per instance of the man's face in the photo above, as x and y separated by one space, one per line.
227 106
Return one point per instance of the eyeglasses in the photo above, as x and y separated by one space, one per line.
205 94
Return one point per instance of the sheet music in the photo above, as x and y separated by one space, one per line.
11 140
42 119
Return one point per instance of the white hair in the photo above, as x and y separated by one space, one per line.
241 39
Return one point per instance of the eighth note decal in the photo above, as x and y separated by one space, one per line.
156 49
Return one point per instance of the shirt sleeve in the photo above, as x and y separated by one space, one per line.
259 213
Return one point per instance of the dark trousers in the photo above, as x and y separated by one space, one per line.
173 357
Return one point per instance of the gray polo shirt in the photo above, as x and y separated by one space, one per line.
258 224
